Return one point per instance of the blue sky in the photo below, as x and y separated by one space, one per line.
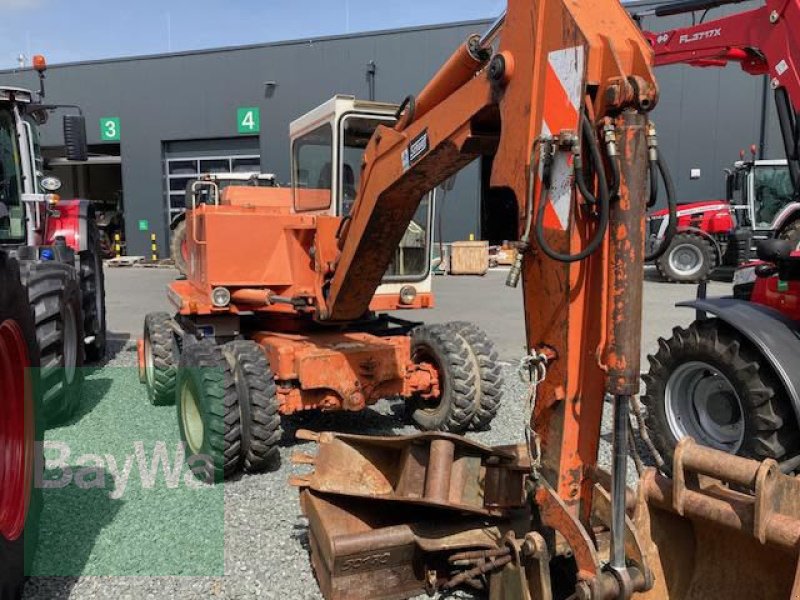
72 30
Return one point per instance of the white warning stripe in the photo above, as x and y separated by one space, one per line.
568 65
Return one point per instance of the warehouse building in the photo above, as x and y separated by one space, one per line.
155 121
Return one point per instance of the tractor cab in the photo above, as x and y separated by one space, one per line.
762 196
25 189
327 147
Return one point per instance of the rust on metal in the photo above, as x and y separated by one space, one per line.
436 470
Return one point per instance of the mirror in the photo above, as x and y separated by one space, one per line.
50 183
75 138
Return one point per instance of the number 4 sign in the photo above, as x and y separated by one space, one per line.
109 129
248 120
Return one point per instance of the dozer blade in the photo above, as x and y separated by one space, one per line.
724 527
433 470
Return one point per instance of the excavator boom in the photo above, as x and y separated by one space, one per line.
555 96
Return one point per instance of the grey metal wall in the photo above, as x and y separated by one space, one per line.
195 96
705 115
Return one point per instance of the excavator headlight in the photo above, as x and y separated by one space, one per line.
408 294
220 297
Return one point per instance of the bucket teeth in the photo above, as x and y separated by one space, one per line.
301 481
307 436
301 458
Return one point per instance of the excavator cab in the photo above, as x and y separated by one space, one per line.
328 145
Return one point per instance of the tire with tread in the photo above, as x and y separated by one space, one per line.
159 341
455 408
258 404
176 247
770 427
54 295
490 391
93 292
16 556
666 270
205 373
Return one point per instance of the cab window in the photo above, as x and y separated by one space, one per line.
12 217
356 134
773 191
312 177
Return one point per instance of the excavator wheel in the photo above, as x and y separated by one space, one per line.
178 249
160 371
689 259
490 391
93 291
710 383
258 405
455 408
54 294
20 428
208 411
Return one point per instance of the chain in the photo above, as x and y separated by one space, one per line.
533 371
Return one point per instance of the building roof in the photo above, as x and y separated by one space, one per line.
295 42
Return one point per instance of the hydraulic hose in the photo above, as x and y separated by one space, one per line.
653 166
604 202
672 205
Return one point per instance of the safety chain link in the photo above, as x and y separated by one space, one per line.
533 371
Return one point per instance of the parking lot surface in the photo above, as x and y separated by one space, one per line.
154 535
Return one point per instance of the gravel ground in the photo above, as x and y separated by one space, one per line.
265 541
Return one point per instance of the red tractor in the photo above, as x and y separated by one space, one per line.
730 379
20 502
760 204
57 244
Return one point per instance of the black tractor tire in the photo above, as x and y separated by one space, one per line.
16 556
691 245
93 293
55 296
792 233
160 359
258 405
490 391
449 352
770 429
206 385
177 245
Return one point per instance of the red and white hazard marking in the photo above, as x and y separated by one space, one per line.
563 93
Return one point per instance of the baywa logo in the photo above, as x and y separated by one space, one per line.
88 471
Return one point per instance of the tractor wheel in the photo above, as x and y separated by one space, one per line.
449 352
20 429
93 292
689 259
490 391
178 248
160 359
54 294
792 233
258 405
208 411
708 382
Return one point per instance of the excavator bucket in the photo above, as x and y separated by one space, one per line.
724 527
396 517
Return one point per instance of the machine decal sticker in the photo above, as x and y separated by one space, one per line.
416 149
563 90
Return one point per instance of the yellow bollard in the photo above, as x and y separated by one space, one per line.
153 246
117 245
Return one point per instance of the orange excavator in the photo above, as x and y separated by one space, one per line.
556 96
279 314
